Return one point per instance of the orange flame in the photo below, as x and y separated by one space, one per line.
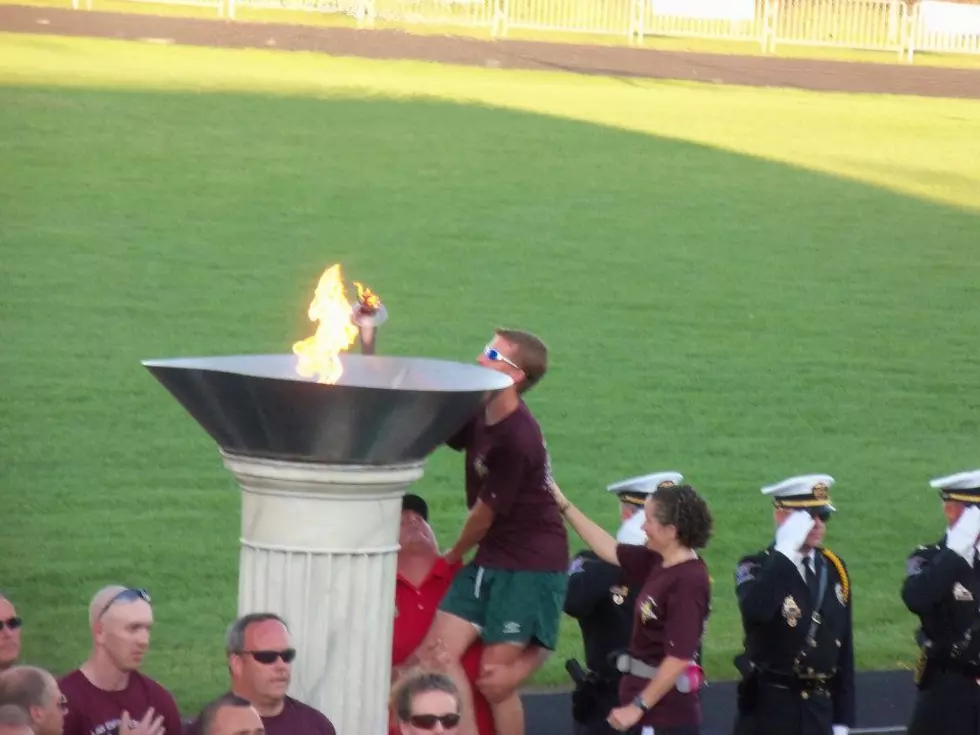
334 334
367 300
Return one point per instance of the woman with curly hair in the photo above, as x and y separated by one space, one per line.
659 689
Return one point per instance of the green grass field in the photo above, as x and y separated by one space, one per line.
740 284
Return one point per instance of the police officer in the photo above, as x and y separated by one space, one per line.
942 587
795 599
604 607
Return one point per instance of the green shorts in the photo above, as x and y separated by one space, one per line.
509 606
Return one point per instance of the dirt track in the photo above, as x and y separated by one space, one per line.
581 59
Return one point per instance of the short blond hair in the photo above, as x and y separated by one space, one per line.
531 355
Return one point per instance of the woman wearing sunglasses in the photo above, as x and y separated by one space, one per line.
427 703
661 673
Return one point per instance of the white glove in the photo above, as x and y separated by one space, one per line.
962 537
791 535
841 730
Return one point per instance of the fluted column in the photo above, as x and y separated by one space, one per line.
318 547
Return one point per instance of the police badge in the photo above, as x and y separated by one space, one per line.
619 594
791 611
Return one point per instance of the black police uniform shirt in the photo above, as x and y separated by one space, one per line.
943 590
603 605
776 607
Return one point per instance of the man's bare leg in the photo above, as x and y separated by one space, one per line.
443 648
508 712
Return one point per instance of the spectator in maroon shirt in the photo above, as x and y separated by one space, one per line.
9 634
260 658
36 692
230 714
108 694
659 689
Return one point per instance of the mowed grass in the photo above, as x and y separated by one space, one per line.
739 284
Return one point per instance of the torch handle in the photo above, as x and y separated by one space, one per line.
368 335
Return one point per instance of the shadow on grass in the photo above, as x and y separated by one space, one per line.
735 318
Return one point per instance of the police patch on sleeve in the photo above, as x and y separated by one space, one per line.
914 566
744 573
577 565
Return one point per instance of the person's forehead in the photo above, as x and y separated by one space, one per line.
236 719
129 613
6 608
266 631
502 344
434 703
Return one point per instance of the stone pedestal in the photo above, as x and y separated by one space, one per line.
318 547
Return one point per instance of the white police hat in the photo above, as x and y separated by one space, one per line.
963 487
801 493
636 489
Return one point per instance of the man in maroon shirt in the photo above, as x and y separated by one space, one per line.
36 692
108 694
260 658
229 714
511 594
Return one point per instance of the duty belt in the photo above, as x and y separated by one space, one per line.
817 682
626 664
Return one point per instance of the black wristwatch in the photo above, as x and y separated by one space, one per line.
638 701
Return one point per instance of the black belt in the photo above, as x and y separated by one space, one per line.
809 684
971 671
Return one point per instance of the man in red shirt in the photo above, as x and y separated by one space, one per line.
422 580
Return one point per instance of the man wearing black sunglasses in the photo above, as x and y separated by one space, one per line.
10 625
795 599
260 660
108 693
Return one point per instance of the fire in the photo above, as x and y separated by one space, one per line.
367 300
335 333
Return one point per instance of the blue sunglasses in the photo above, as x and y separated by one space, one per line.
495 356
127 595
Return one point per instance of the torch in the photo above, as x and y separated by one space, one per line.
368 314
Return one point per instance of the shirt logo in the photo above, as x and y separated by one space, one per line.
648 610
512 628
480 467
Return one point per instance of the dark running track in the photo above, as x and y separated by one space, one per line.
885 699
760 71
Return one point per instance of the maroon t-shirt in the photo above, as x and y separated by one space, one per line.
94 711
507 467
296 718
668 620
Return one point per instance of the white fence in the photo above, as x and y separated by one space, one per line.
902 27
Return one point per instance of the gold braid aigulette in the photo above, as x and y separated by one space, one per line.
844 582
